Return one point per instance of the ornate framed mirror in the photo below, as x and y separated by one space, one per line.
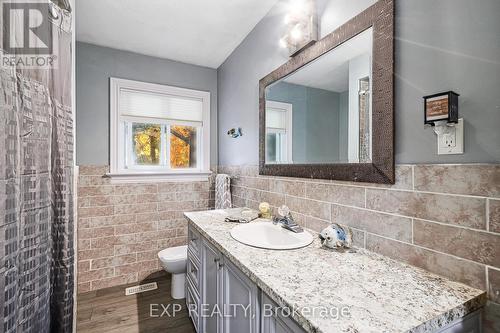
328 112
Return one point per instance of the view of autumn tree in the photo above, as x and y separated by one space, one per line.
182 138
147 140
147 145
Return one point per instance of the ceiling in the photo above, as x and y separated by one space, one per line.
331 70
200 32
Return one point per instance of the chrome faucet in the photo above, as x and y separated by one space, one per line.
286 220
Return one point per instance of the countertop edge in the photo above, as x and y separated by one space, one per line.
448 317
452 315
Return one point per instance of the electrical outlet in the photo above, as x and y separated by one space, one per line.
448 140
451 139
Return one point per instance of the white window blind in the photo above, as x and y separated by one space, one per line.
148 122
276 118
138 103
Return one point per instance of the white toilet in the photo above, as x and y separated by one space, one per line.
174 260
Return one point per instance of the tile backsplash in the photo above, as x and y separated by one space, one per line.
443 218
122 227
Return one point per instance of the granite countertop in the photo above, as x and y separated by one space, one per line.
378 294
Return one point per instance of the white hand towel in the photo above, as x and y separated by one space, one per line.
222 191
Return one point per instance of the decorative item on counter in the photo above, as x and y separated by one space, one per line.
245 216
441 107
336 236
235 132
265 210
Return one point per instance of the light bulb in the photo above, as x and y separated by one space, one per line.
296 33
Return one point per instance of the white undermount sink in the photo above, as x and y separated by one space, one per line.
266 235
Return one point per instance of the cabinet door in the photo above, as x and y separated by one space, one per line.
211 289
276 325
240 297
193 305
273 322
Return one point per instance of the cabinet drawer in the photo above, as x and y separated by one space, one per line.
193 305
194 243
194 272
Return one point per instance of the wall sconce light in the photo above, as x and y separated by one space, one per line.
235 132
302 26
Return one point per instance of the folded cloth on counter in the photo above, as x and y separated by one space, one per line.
222 191
245 216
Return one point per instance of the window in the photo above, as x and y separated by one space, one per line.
278 132
158 131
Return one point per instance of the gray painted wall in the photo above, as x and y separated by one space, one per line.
440 45
95 65
315 121
322 126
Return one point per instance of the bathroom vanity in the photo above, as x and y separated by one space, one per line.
232 287
215 284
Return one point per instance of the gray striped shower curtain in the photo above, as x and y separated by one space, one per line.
36 189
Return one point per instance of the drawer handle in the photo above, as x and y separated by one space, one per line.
194 239
219 264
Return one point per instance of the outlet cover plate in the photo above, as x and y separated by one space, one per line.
451 141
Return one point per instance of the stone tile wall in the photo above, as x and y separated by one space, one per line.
122 227
443 218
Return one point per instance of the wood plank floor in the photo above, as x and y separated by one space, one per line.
110 311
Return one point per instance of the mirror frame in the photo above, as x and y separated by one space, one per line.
380 16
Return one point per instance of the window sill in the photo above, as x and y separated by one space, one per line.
153 177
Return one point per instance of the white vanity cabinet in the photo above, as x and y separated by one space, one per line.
225 300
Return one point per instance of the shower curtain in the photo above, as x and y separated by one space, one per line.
36 189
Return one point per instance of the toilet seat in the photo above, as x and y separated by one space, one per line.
173 254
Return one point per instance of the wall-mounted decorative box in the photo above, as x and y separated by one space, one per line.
441 107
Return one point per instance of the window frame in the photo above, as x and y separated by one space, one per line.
118 145
287 108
